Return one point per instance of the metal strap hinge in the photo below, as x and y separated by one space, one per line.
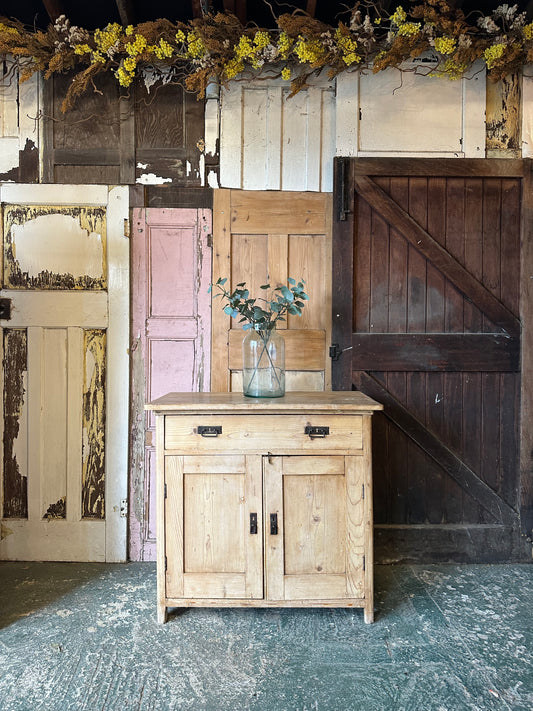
165 491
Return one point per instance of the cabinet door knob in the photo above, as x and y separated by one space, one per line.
273 524
316 432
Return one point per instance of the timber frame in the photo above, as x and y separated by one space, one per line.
353 178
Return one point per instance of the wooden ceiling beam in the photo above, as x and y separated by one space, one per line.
311 8
238 8
126 11
54 8
197 8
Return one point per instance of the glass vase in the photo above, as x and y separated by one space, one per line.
263 367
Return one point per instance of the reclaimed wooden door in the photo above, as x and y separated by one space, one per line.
266 237
426 313
65 373
171 273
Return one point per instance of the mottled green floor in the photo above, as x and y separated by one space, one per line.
446 638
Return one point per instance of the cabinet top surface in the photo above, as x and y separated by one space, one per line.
351 401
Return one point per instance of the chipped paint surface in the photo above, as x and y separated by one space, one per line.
152 179
93 424
57 510
15 482
54 247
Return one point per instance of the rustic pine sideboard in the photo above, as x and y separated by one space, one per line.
264 502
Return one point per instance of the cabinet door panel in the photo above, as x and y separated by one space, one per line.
210 550
317 553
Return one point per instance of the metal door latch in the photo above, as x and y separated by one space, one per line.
5 309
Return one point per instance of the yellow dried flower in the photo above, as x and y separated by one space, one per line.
399 16
138 45
408 29
163 50
106 38
124 78
180 36
6 30
130 30
309 51
82 49
348 47
195 46
445 45
492 54
528 31
261 39
284 45
233 67
244 50
286 73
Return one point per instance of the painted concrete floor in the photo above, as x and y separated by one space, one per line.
446 638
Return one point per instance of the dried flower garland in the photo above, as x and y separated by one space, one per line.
218 46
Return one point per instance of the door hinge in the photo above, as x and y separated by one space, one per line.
124 508
209 240
165 495
364 563
166 563
363 491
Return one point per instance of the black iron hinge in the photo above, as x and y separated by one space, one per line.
165 491
364 563
363 491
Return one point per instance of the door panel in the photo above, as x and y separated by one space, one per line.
428 266
209 501
318 502
57 502
266 237
170 339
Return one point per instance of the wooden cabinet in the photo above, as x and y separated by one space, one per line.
264 502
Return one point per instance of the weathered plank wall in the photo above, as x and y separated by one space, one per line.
19 126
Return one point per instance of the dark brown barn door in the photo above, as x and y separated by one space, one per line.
426 318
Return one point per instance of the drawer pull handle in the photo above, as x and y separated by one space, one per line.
253 523
209 430
273 524
316 432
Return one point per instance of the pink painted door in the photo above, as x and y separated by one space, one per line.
170 344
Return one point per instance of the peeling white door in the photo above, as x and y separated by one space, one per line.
65 372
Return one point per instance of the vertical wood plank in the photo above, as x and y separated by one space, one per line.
356 523
172 516
54 424
231 119
474 105
315 147
35 452
368 521
273 504
93 424
526 313
273 138
75 361
255 156
347 114
253 493
14 423
220 324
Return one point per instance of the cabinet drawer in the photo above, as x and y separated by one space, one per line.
257 433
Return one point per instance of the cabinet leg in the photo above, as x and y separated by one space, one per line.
369 614
161 614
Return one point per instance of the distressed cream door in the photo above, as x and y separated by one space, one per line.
261 237
65 372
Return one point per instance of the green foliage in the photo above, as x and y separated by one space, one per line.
261 313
